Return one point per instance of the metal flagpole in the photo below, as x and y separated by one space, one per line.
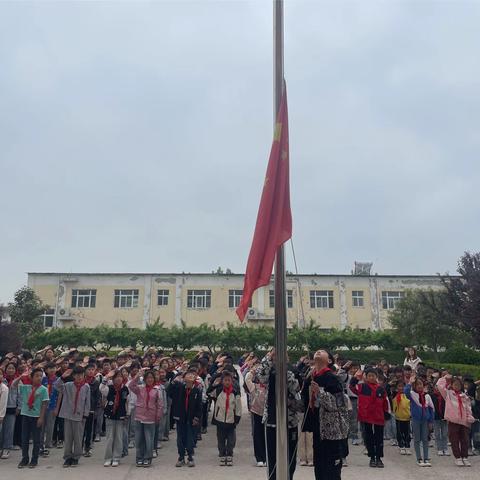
280 291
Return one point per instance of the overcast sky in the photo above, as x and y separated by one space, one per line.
134 136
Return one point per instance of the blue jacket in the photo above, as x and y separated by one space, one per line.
418 413
52 403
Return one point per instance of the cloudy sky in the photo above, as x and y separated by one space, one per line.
134 135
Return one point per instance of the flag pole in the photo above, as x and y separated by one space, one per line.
282 472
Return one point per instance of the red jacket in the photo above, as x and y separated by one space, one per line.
372 402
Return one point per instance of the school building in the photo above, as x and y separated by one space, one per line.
330 301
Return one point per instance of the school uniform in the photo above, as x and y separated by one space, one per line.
75 410
421 410
186 406
372 406
32 400
401 409
226 416
115 401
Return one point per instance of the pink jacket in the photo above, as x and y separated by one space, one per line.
454 413
147 412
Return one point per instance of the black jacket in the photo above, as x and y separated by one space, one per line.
177 392
121 412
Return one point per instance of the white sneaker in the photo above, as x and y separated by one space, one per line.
466 462
459 462
427 463
440 453
260 464
355 441
409 452
344 462
446 453
115 463
107 463
393 443
403 451
420 463
5 454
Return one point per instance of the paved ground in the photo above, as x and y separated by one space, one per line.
397 467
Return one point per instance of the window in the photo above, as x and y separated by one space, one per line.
199 298
357 298
125 299
84 298
390 299
289 298
234 298
162 297
48 317
321 298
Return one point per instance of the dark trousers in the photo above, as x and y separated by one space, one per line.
89 431
403 433
226 439
58 430
374 440
185 439
459 437
327 457
259 448
271 444
205 415
17 432
30 430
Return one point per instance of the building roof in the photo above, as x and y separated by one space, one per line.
162 274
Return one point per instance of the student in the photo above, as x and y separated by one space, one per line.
34 401
226 416
412 360
186 411
115 397
148 411
8 424
401 410
94 384
372 406
49 381
458 413
99 417
440 424
257 397
422 412
75 409
160 382
3 402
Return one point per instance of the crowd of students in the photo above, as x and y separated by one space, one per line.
50 400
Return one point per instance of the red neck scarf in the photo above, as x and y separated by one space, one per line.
187 396
148 389
31 397
421 397
227 391
398 398
116 401
460 402
51 380
10 379
78 387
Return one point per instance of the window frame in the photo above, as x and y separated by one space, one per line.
162 297
48 313
323 299
358 296
193 297
271 298
120 295
91 296
389 300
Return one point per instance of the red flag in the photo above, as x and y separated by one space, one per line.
274 219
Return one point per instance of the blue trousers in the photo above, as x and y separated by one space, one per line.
185 439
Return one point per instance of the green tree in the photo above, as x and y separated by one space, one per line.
423 316
25 311
463 295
